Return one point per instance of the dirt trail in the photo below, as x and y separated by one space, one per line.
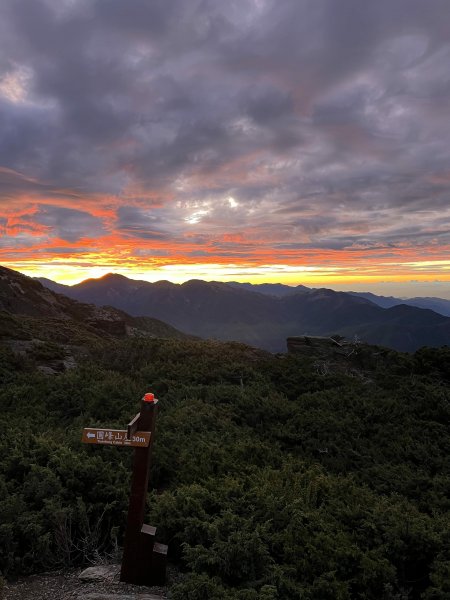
67 585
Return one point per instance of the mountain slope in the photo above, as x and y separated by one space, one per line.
439 305
27 308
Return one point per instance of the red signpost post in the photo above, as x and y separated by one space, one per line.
144 560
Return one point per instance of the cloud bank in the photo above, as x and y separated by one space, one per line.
303 133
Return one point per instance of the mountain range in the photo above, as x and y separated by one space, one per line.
265 315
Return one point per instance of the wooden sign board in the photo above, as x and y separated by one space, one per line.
115 437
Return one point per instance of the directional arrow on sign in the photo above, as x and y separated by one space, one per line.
91 435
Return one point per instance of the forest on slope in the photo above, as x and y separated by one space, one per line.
274 476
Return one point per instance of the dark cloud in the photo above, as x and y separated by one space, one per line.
69 224
136 222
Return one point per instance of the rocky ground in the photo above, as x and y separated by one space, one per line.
95 583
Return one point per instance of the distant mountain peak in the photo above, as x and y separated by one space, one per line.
109 278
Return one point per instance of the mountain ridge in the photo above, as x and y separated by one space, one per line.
439 305
259 317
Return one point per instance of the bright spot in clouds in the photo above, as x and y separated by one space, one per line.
196 217
13 85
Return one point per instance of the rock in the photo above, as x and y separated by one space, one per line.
46 370
100 573
305 343
69 363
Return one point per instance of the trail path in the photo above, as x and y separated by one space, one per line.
96 583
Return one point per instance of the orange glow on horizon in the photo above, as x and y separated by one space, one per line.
75 270
153 234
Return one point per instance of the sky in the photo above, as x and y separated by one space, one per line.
298 141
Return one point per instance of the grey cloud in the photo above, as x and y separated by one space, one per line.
17 242
69 224
268 104
24 135
14 184
149 252
198 253
139 223
139 16
68 250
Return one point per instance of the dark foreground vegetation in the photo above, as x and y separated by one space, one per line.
275 477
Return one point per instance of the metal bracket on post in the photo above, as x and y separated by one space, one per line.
133 425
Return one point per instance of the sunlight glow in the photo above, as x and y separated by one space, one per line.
71 271
13 86
196 217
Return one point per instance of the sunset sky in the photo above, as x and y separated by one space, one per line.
298 141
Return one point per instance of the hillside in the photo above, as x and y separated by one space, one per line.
321 475
276 477
264 316
22 295
54 330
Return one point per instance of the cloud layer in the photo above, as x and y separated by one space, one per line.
302 133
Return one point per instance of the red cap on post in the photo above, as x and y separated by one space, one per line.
149 397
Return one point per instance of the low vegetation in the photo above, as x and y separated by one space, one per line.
274 476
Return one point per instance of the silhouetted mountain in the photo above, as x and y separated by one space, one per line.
239 312
59 288
439 305
383 301
29 308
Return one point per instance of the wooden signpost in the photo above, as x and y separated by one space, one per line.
144 560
